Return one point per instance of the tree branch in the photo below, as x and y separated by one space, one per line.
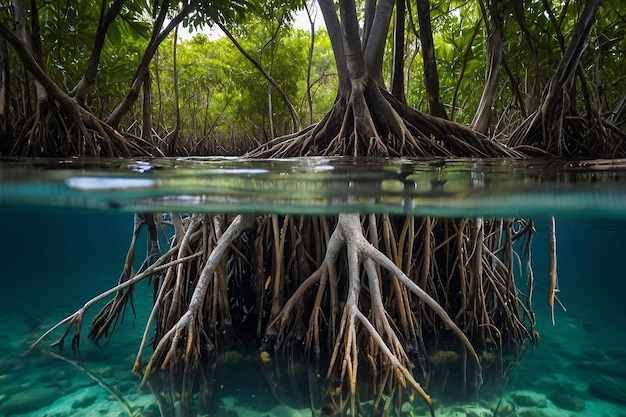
268 77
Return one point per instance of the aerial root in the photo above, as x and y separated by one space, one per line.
76 319
370 122
308 141
61 126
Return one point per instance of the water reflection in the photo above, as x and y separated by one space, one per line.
457 187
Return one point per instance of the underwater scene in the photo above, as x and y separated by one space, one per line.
56 257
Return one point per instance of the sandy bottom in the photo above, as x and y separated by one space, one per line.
578 369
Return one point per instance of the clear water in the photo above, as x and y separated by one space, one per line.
438 187
67 225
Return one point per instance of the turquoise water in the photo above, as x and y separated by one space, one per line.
64 241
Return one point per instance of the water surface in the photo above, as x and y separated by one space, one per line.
437 187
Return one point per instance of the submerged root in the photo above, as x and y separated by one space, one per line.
187 338
111 313
191 306
373 295
75 320
130 411
362 332
382 304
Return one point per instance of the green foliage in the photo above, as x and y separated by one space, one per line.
225 99
460 59
206 13
67 36
605 59
529 60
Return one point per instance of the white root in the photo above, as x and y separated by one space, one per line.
171 338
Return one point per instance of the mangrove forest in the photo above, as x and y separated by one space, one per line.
371 310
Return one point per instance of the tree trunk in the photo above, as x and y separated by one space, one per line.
158 36
353 52
80 141
530 103
270 101
309 66
546 128
173 137
146 134
431 77
563 78
495 43
375 47
368 19
268 77
333 26
397 62
24 35
81 90
468 50
5 83
30 63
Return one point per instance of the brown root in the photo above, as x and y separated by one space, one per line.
371 122
75 320
566 124
427 274
194 317
62 127
191 307
110 314
471 258
358 325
